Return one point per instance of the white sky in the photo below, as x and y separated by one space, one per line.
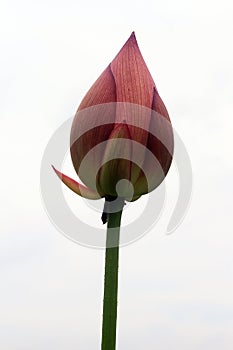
175 291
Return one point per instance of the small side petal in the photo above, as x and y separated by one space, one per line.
76 187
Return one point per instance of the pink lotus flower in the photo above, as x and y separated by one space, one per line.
123 104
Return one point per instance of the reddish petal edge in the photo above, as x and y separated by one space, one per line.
76 187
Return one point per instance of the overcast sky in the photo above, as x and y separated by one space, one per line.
176 291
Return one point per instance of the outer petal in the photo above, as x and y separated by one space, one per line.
76 187
134 85
160 143
134 82
162 146
100 95
102 91
158 105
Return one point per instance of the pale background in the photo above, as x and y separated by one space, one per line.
176 292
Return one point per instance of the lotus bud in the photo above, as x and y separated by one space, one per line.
120 128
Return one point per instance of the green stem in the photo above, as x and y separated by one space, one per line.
111 281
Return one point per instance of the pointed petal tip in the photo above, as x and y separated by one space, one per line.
130 41
132 38
59 174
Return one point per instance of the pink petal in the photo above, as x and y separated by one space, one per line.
134 85
102 91
134 82
100 95
161 144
